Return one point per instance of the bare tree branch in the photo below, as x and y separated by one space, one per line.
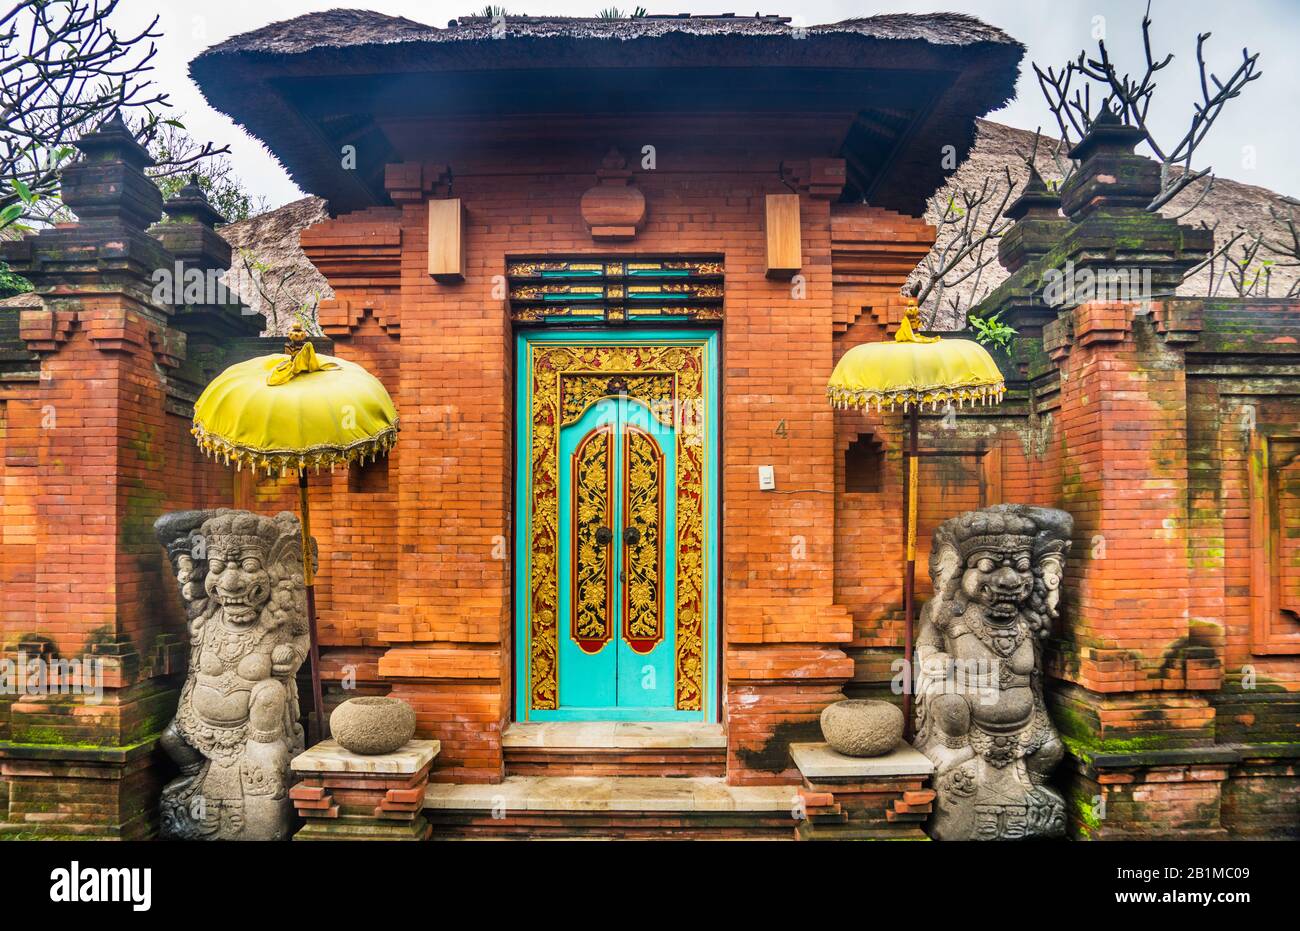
1131 97
966 235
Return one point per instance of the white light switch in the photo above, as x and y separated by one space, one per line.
766 478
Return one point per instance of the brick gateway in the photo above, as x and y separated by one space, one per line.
1166 427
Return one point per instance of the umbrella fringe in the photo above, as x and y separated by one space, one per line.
864 399
280 461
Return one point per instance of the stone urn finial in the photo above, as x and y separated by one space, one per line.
189 232
1112 178
1038 227
614 208
191 204
108 182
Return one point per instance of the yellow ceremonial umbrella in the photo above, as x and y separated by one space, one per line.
911 372
296 411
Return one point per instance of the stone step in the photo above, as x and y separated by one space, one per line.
615 749
617 807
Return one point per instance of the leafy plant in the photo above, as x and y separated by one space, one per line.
990 331
11 284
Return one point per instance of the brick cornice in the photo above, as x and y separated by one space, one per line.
414 182
1102 322
1179 321
1058 337
819 178
46 330
168 347
360 251
117 329
340 317
441 662
1099 323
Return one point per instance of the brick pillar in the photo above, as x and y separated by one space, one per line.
872 253
360 255
92 443
1131 670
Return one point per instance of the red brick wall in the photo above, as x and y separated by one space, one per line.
1222 541
92 458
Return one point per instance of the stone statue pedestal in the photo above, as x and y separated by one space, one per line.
347 796
863 798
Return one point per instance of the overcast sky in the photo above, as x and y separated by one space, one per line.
1253 142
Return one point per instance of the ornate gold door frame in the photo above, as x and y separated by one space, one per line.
562 375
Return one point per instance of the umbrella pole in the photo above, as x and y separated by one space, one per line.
911 481
318 705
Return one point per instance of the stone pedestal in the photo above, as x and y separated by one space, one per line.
863 798
78 793
346 796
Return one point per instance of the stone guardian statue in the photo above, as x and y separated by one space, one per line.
236 726
980 715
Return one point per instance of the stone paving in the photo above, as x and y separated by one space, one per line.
611 793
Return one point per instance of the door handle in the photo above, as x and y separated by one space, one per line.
604 535
631 536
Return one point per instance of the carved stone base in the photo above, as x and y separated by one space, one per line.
854 798
346 796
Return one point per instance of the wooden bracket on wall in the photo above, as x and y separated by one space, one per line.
447 240
784 250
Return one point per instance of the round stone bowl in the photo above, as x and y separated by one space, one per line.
862 727
372 724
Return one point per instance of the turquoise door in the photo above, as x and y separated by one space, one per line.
616 508
617 607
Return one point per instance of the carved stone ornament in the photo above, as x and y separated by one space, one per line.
980 715
236 727
614 209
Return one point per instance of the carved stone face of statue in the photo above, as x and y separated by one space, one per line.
998 576
237 576
238 580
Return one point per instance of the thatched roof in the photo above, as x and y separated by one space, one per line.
269 271
344 28
27 300
308 85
